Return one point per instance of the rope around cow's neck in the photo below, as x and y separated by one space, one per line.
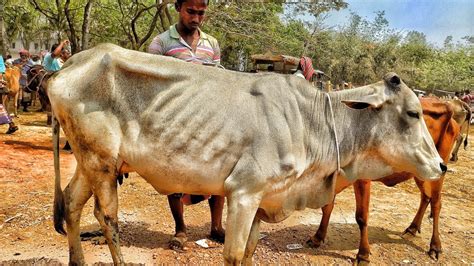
335 133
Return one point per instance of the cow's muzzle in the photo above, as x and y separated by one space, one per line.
444 168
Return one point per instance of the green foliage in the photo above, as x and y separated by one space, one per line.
360 51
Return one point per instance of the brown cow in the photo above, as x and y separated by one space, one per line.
462 115
12 77
444 130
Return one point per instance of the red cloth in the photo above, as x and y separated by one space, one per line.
188 199
306 65
468 98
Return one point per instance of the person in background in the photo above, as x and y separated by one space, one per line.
187 42
9 59
4 116
54 60
36 59
25 64
305 69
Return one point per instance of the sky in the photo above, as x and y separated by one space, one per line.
436 18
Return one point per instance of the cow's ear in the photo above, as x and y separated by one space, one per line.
393 81
370 101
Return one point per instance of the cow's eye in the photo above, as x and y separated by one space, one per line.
413 114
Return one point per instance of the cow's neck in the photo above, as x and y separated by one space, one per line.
351 126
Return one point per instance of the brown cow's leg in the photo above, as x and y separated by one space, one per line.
76 195
216 204
106 213
435 245
454 154
252 242
362 195
176 206
15 104
318 238
415 225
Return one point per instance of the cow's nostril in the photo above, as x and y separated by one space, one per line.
444 168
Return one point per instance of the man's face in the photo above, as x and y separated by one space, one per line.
24 57
65 55
192 13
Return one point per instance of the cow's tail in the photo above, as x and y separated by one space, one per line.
468 119
59 207
467 108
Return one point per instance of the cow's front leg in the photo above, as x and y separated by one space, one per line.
106 211
241 212
318 238
216 204
252 242
415 225
362 195
177 210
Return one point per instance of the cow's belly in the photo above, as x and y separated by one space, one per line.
310 192
180 172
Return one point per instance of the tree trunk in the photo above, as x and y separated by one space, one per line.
3 39
72 30
85 25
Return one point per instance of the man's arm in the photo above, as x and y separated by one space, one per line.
156 46
216 58
58 49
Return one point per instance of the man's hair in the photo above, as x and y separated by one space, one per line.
179 3
54 47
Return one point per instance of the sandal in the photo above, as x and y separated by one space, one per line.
11 130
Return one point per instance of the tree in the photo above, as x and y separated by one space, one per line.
3 41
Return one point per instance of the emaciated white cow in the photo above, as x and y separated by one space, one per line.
266 142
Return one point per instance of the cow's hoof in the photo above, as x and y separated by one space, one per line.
361 261
454 159
434 253
177 243
218 236
412 230
314 242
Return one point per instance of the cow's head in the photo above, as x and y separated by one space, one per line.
398 136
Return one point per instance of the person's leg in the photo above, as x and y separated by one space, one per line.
216 204
176 206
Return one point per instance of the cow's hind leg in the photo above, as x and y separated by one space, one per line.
76 195
106 211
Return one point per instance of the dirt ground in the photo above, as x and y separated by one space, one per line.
146 224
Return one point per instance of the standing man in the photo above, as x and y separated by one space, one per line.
25 64
187 42
54 60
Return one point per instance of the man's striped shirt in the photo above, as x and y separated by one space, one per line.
170 43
